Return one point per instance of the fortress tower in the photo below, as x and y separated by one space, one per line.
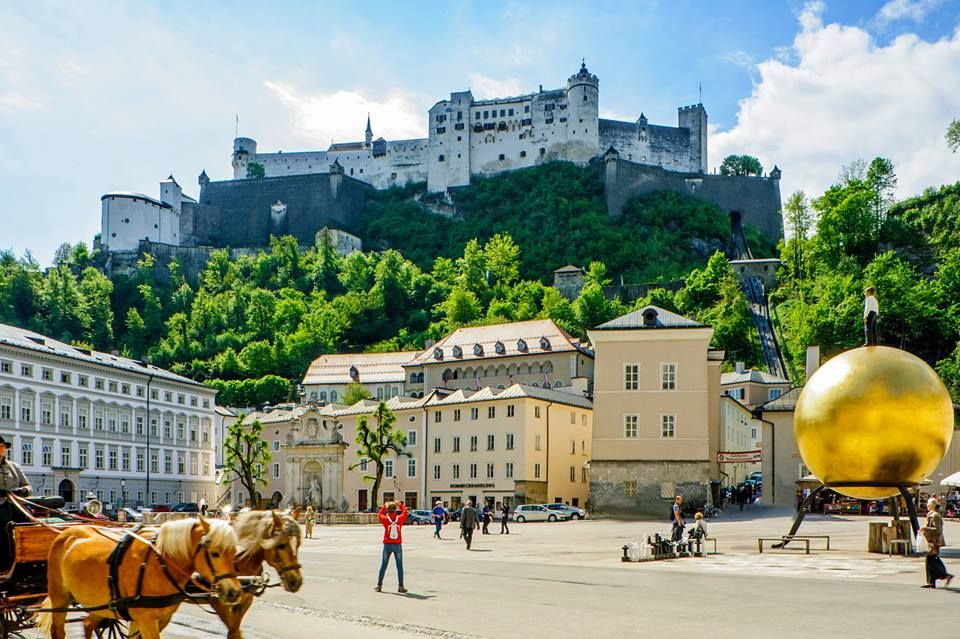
244 152
583 100
694 118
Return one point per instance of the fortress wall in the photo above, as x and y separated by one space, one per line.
757 199
238 212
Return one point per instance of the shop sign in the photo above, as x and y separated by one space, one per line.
739 457
475 485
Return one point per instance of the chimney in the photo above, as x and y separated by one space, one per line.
813 360
740 367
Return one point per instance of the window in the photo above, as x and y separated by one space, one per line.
573 473
363 465
82 420
138 425
124 424
112 458
180 398
125 459
154 394
98 459
193 401
6 408
26 410
46 413
168 463
112 423
440 158
774 393
573 447
436 471
509 441
583 475
411 468
456 444
181 464
631 376
46 374
668 425
436 444
5 366
491 439
668 376
181 430
631 426
736 393
489 471
583 419
536 412
491 412
140 461
98 384
510 410
276 444
474 414
536 471
388 468
26 453
455 471
154 463
411 438
82 457
141 391
168 396
437 416
64 378
333 397
473 471
47 455
64 415
753 433
456 415
125 389
630 488
536 442
473 443
573 417
112 386
83 381
276 471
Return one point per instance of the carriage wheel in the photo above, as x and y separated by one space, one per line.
113 629
12 621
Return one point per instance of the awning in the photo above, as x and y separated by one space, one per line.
951 480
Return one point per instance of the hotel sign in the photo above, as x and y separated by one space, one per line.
739 457
474 485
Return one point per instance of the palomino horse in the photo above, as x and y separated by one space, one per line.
264 536
78 570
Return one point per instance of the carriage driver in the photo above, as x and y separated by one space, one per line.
12 480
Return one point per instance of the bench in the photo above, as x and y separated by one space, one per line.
696 543
781 540
907 546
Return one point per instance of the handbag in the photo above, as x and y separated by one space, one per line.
922 545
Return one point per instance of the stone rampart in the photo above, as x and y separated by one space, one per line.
646 488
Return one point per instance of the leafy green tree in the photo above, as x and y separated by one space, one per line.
472 268
64 307
355 392
136 336
502 256
461 307
377 442
799 223
256 171
953 136
246 457
741 165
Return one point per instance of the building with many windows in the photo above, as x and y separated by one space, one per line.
83 422
752 387
657 414
524 444
381 373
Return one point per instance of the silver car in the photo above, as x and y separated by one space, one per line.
533 512
567 512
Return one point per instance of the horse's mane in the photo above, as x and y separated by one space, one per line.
174 538
256 526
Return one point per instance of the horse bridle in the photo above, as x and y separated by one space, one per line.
217 578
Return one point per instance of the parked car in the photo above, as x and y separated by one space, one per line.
567 512
160 508
533 512
420 517
132 514
185 507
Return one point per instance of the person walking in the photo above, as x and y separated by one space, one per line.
439 514
933 533
504 516
871 313
469 521
486 515
12 481
309 518
741 496
392 515
203 506
676 533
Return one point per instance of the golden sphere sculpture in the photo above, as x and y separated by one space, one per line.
874 415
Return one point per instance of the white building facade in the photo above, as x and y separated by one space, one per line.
126 218
81 422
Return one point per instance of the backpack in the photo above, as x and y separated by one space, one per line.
393 531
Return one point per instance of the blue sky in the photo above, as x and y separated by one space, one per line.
101 96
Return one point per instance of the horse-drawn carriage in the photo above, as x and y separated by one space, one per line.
123 579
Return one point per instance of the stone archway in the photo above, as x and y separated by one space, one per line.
66 490
276 498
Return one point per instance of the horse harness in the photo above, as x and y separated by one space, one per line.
122 605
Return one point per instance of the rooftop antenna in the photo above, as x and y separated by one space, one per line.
700 96
236 128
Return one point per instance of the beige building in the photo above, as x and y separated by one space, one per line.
657 412
752 387
535 353
740 432
381 373
522 443
782 465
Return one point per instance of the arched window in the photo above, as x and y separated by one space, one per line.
323 396
413 378
333 396
499 348
557 384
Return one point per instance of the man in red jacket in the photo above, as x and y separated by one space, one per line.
392 515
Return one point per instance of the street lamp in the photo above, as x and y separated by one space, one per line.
123 492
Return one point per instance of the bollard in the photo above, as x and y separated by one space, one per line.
625 558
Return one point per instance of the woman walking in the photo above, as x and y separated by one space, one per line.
933 533
309 520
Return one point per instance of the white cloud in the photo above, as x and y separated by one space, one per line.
484 87
342 116
14 101
846 97
895 10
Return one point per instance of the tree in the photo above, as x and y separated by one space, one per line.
255 170
881 180
799 221
376 443
503 259
355 392
953 136
741 165
246 457
461 307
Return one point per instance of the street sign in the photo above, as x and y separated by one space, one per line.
739 457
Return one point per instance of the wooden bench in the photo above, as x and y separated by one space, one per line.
31 542
782 540
696 543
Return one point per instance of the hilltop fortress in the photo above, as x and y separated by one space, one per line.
304 192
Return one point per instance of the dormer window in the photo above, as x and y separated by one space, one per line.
477 350
437 353
499 348
354 374
457 351
521 346
544 344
